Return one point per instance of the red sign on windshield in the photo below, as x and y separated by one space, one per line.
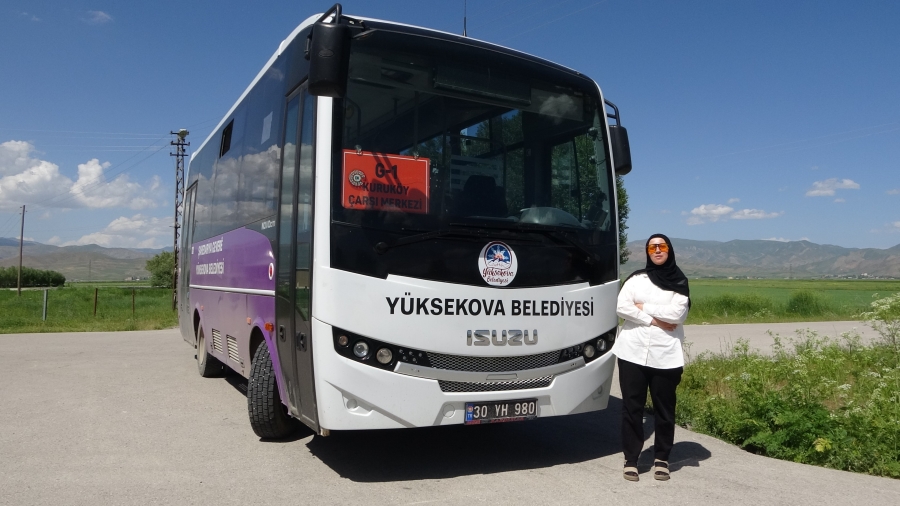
382 182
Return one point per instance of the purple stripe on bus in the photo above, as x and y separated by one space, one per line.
241 259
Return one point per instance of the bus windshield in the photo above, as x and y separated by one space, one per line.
443 144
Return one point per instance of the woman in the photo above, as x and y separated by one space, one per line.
654 303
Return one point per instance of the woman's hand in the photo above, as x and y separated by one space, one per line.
658 323
664 325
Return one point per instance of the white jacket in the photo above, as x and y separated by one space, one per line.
641 343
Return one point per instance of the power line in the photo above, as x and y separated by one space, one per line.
102 178
761 148
507 16
553 21
76 132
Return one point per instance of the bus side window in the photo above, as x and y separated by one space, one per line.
304 205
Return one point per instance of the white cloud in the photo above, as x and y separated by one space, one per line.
98 17
777 239
895 191
840 200
30 16
708 213
753 214
55 240
827 188
137 231
733 201
119 192
26 179
896 224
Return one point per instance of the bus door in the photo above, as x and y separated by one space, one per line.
185 314
293 297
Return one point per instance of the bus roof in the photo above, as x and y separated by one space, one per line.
378 23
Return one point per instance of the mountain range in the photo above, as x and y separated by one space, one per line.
85 263
774 259
738 258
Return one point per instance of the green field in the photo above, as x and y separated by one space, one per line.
717 301
110 284
714 301
71 309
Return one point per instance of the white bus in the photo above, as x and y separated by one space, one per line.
401 227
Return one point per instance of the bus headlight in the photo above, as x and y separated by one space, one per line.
589 351
361 349
343 340
384 356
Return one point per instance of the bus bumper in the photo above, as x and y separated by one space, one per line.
354 396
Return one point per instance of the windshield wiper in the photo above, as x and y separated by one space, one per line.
554 232
462 230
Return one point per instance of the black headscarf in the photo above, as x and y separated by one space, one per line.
666 276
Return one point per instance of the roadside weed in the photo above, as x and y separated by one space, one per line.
828 402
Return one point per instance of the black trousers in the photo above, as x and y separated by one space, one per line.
634 380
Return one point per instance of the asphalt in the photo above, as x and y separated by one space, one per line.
123 418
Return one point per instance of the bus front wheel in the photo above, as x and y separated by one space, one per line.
207 365
268 416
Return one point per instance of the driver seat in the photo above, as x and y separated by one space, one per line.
482 197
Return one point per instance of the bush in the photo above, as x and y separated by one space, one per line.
806 303
884 318
824 402
748 305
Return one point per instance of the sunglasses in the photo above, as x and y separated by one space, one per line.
664 248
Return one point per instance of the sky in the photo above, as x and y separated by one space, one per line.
747 119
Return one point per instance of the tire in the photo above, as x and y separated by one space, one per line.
207 365
268 416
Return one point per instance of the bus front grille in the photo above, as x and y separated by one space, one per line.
492 364
231 342
496 386
217 340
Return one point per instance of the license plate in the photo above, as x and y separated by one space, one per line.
500 411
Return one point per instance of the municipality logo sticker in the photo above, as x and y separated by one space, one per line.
497 264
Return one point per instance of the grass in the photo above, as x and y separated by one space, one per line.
833 403
714 301
717 301
71 309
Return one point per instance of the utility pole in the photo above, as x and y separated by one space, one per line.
21 240
179 155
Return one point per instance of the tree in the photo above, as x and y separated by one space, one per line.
9 277
162 267
623 217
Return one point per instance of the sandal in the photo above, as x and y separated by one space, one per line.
630 473
661 470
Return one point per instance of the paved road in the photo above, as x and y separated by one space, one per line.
123 418
718 338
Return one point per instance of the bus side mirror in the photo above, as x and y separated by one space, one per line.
621 150
329 59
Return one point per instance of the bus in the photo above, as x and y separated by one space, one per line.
397 227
